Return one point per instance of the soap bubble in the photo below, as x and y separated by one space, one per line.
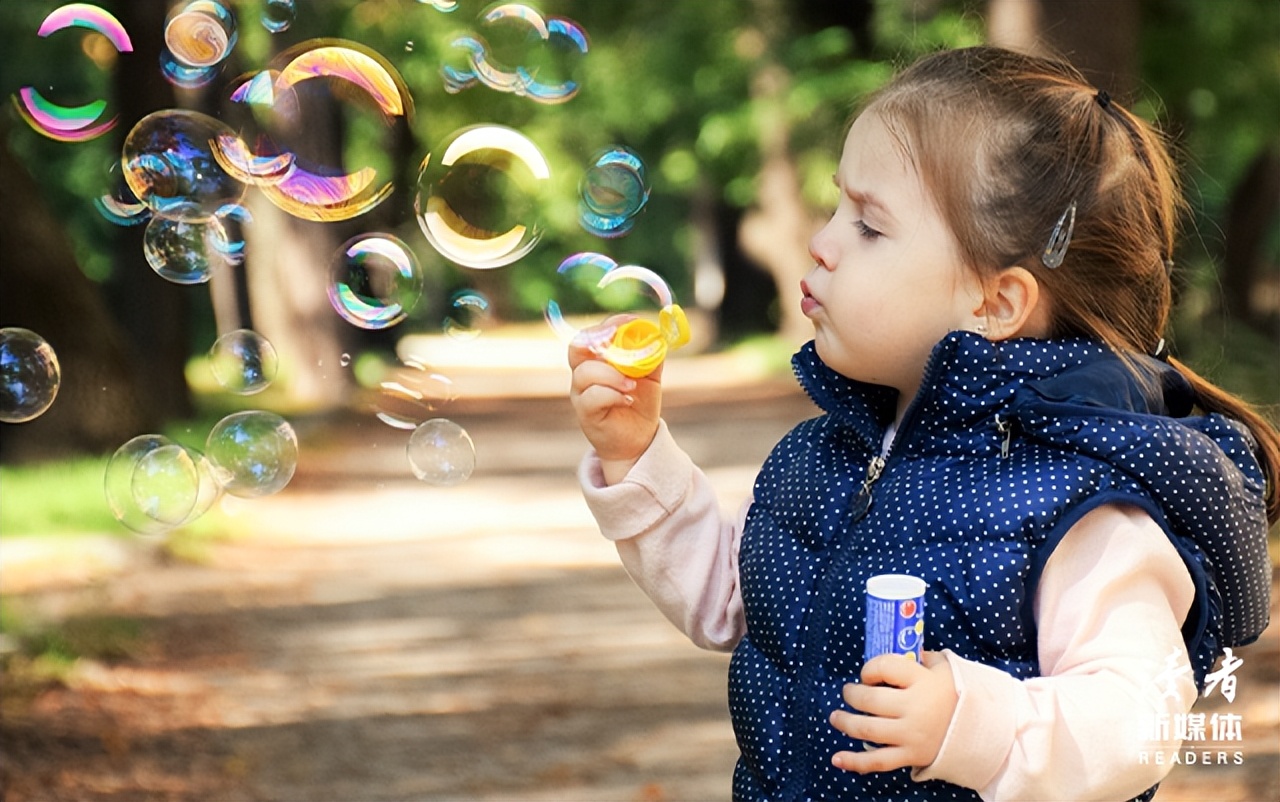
182 252
166 484
612 192
153 484
374 280
517 54
201 34
83 122
253 453
411 393
441 453
477 196
278 15
243 361
169 165
571 273
29 375
468 313
184 75
118 204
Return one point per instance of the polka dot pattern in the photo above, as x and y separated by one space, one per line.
1008 445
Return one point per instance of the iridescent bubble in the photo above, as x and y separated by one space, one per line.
612 192
278 15
72 123
182 252
411 393
374 280
477 197
184 75
253 453
467 316
314 191
565 40
169 165
587 263
225 234
520 49
118 204
29 375
447 6
201 34
243 361
441 453
153 484
84 15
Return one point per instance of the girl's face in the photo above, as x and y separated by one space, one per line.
888 282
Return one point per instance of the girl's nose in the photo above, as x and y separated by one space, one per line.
818 251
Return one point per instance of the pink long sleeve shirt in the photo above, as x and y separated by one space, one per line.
1109 609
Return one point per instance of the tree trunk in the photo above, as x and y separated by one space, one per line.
101 402
1251 212
1100 37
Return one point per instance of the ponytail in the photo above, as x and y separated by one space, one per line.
1211 398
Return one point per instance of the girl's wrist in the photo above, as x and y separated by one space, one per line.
615 470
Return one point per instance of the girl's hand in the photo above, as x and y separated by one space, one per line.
908 707
619 415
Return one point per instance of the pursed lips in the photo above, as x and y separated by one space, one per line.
808 303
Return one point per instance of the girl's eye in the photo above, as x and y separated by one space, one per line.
866 231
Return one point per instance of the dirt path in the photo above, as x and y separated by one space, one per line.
377 639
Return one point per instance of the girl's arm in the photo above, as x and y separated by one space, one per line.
666 522
1109 610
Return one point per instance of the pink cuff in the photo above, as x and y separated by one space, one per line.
651 491
982 727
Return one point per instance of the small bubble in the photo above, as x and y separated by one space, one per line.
182 252
344 360
612 192
410 393
468 314
441 453
253 453
278 15
29 375
243 361
201 34
374 280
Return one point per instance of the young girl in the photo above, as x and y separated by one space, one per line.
1002 420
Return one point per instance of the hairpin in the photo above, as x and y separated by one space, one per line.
1161 351
1103 98
1056 249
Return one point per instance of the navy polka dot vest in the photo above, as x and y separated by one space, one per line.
1006 446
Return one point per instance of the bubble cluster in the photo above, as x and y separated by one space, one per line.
529 71
477 199
29 375
153 484
441 453
72 123
374 281
243 361
253 453
613 190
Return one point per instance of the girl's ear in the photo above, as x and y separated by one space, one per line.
1013 306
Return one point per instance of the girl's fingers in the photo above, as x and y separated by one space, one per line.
598 399
594 372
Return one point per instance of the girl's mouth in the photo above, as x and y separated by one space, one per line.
808 304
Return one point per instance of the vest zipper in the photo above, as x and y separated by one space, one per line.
863 501
1005 427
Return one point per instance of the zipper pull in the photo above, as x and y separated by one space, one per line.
863 502
1005 427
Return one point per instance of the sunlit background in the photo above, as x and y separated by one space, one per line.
286 473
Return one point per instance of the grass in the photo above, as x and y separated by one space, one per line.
55 498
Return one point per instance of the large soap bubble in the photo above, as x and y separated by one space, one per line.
169 165
478 196
441 453
82 122
201 34
29 375
374 281
254 453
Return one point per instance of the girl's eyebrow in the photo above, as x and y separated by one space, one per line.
864 199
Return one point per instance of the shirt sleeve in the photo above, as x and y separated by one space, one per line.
1109 610
666 523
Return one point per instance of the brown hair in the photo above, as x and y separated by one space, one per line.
1005 143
